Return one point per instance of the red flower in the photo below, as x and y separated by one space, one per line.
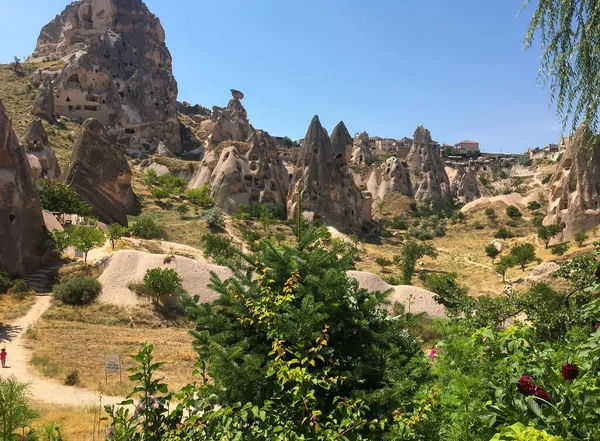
569 372
527 388
541 393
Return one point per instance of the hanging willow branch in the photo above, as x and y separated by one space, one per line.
570 65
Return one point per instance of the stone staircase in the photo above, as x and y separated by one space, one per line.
43 279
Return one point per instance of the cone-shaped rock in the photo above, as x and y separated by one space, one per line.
341 143
21 220
361 151
430 184
43 104
99 173
466 186
39 152
389 177
574 189
328 192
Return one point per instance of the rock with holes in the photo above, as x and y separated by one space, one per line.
21 221
574 189
100 174
342 142
39 152
117 69
43 104
361 151
243 173
430 184
228 123
466 186
389 177
328 190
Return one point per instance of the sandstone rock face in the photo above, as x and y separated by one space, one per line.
228 123
39 152
99 173
361 152
21 220
118 69
328 191
574 189
249 173
43 104
428 177
389 177
341 143
466 186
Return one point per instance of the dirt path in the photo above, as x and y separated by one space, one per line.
42 389
237 240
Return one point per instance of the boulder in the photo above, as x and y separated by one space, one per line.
21 221
162 150
100 174
39 151
43 104
430 184
574 189
389 177
341 143
466 186
328 191
117 69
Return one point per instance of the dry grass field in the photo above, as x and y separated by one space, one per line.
14 306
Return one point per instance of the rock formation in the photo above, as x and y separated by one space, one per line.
428 177
21 220
388 178
43 104
99 173
361 152
574 189
39 152
118 70
328 192
229 123
466 186
245 173
341 143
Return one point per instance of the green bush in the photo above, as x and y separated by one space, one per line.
213 217
580 238
4 281
60 198
72 378
200 197
160 193
163 281
503 233
20 286
398 224
77 291
217 247
559 249
534 205
146 228
490 212
171 183
513 212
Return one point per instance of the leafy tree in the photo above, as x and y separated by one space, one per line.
522 254
513 212
200 197
546 233
398 223
115 232
59 198
503 233
534 205
580 238
146 228
492 252
287 142
218 248
183 209
60 241
560 248
163 282
490 213
503 266
383 262
449 293
160 193
84 238
213 217
410 253
15 412
266 219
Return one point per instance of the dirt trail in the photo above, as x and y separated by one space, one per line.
42 389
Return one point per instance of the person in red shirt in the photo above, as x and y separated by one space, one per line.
3 357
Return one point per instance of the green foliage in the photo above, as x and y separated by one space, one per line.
72 378
171 183
15 413
546 233
428 228
534 205
147 228
163 282
287 142
383 262
4 281
160 193
560 248
518 432
449 293
513 212
410 253
115 232
213 217
84 238
17 67
397 223
546 178
537 220
183 209
59 198
218 248
503 233
522 254
77 291
490 212
492 252
20 286
524 160
503 266
256 211
580 238
200 197
60 241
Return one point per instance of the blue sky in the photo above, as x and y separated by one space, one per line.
458 67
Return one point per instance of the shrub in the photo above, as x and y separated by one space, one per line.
151 177
4 281
200 197
537 220
171 183
503 233
492 252
160 193
513 212
115 232
478 225
163 281
77 291
146 228
559 249
522 254
490 212
213 217
546 233
217 247
580 238
534 205
183 209
60 198
546 179
20 286
72 378
398 224
383 262
85 238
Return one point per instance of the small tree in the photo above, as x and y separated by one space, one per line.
59 198
60 241
503 265
410 253
513 212
534 205
84 238
183 209
15 413
213 217
146 228
522 254
490 213
218 248
383 262
163 281
580 238
492 252
16 66
503 233
266 219
546 233
115 232
559 249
